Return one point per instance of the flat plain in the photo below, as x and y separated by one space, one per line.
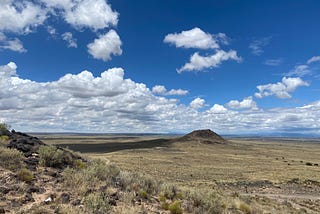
278 169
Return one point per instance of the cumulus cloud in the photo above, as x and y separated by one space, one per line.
246 103
68 37
194 38
314 59
11 44
257 45
105 46
60 4
110 103
198 62
20 16
281 89
218 109
23 17
197 103
95 14
161 90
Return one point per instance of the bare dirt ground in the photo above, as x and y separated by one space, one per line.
282 171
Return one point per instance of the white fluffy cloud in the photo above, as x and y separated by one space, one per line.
161 90
246 103
198 62
109 103
197 103
218 109
11 44
194 38
23 17
105 46
68 37
280 89
20 16
95 14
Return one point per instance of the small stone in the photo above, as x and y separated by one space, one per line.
65 198
48 200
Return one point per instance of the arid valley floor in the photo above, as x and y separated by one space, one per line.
276 173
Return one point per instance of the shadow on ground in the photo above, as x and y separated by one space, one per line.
113 147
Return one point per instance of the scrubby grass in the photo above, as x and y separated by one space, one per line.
11 159
50 156
96 173
25 175
97 203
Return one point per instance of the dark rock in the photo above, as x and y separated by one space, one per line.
4 190
76 202
32 189
32 163
112 202
2 210
205 136
65 198
24 143
28 198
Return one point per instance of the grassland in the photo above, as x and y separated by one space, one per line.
283 171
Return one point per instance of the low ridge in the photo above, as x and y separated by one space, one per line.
204 136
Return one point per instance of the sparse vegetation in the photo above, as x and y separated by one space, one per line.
175 207
98 186
97 203
50 156
11 158
25 175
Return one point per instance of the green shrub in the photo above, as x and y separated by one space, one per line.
175 208
4 127
25 175
138 182
4 140
204 201
50 156
79 164
308 164
94 174
97 203
144 194
11 158
170 191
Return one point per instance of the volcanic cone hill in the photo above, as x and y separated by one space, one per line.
205 136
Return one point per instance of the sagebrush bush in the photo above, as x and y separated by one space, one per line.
138 182
25 175
170 191
204 201
97 203
175 207
4 140
95 173
11 158
50 156
79 164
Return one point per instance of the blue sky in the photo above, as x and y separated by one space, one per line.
235 67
